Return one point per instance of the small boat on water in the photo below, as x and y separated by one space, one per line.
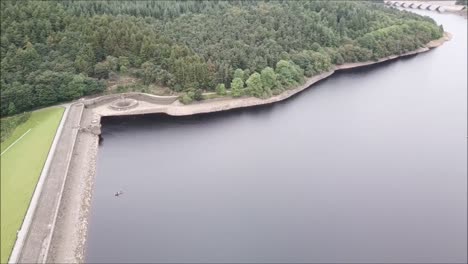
118 193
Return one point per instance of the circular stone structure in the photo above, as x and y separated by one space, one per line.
123 104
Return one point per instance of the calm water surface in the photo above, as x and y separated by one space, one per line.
367 166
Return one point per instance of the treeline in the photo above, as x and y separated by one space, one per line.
57 51
8 125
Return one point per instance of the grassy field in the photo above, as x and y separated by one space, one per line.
21 166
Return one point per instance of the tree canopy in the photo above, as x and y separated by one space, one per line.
55 51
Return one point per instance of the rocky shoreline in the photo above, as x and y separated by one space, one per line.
69 239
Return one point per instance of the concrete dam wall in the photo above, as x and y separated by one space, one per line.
155 99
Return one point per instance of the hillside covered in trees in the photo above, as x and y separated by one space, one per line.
57 51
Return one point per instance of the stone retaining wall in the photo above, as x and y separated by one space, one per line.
155 99
80 108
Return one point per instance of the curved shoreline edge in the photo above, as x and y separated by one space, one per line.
252 101
66 241
228 103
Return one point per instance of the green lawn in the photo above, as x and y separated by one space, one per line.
21 167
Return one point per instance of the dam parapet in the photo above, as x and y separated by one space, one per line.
150 98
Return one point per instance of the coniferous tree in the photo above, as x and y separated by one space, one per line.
53 51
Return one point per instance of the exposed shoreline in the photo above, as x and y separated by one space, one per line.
227 103
69 238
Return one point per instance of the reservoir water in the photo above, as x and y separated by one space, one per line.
369 165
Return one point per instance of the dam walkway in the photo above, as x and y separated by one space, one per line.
37 240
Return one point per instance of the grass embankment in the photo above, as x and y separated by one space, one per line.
21 166
9 124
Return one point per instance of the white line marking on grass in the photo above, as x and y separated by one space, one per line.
15 142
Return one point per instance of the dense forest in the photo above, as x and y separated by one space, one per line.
58 51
